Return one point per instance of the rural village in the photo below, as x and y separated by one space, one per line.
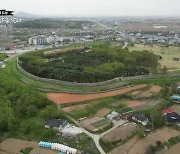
90 86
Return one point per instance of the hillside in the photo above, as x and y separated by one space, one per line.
99 63
50 23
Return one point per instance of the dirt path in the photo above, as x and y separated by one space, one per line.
63 98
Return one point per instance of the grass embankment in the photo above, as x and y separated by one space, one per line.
12 70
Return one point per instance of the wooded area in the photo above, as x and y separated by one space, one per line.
50 23
23 110
99 63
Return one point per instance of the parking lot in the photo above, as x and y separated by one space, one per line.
71 130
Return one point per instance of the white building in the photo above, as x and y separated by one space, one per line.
38 40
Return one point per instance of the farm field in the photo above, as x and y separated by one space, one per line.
121 132
62 98
176 107
101 107
136 146
75 107
103 112
167 54
13 146
146 27
147 93
137 105
94 123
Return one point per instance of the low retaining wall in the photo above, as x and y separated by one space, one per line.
104 83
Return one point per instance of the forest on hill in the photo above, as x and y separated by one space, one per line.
23 110
50 23
98 63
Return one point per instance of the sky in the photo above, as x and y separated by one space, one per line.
94 7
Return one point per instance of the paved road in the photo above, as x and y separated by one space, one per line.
96 137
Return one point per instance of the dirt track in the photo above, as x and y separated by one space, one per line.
63 98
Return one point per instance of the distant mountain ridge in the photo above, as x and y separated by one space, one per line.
22 14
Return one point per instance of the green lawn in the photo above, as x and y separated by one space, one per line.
167 54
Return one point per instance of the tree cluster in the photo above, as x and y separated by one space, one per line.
101 62
19 102
50 23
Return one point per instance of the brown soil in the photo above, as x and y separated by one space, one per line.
103 112
62 98
124 148
137 105
136 92
86 123
134 103
135 146
13 146
75 107
121 132
174 150
148 93
141 107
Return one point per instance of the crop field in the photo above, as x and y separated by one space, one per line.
99 107
147 27
134 103
103 112
13 146
101 123
63 98
167 54
137 105
121 132
153 90
137 145
88 123
75 107
122 111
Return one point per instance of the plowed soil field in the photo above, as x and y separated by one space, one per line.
63 98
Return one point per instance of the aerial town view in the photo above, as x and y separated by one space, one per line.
90 77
